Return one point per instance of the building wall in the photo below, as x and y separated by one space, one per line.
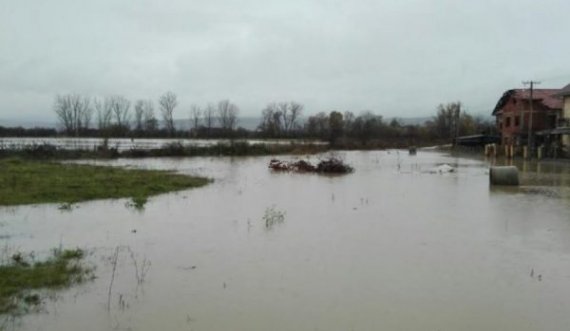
566 115
508 128
514 119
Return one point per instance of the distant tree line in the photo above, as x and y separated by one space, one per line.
113 116
369 129
279 120
27 132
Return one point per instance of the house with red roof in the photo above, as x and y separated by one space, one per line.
563 125
513 115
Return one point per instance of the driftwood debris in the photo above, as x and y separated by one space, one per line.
332 165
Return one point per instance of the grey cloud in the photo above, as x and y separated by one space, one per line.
398 58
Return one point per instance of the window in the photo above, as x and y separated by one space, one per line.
507 122
517 121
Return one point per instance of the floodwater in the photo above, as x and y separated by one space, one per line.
392 246
122 144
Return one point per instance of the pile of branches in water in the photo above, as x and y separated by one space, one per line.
331 165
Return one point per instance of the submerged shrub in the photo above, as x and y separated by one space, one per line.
334 165
272 217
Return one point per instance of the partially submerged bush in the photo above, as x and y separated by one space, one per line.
334 165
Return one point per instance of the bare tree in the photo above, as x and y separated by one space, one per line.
291 114
281 114
209 114
446 120
336 126
195 115
227 115
73 111
62 108
139 115
149 120
104 113
280 118
348 120
80 106
86 113
168 102
120 108
271 120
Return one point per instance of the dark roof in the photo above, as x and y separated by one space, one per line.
548 97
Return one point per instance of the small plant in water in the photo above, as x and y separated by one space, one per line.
138 202
22 278
67 206
273 217
141 268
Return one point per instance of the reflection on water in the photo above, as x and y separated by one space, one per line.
391 246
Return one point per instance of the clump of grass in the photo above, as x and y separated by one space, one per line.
66 206
138 202
69 254
27 182
21 279
273 216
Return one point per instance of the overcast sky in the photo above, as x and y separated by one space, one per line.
394 57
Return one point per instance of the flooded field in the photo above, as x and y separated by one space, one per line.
123 144
396 245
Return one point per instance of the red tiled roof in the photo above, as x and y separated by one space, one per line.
564 91
548 97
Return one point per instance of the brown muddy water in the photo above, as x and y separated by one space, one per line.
392 246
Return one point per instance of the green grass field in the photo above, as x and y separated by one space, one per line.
30 182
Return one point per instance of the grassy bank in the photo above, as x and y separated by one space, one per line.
20 279
225 149
28 182
382 144
240 148
180 149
